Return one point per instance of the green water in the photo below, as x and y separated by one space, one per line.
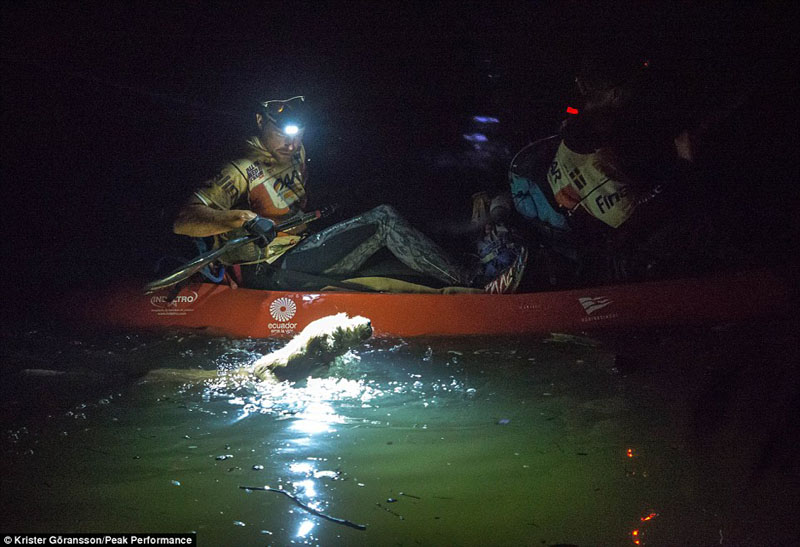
538 441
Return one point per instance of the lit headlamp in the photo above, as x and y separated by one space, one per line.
287 114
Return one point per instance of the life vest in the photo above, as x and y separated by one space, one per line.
577 180
257 182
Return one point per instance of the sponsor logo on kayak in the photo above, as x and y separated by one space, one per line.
179 305
592 304
282 310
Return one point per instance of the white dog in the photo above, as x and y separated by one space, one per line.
317 344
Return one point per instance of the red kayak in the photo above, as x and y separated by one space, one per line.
241 313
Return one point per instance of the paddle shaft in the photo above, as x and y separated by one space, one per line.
188 270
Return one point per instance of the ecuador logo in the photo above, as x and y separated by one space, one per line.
282 309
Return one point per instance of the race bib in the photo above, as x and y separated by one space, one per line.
576 181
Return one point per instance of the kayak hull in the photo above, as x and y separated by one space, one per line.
249 313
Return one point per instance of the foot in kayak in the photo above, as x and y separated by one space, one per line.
510 278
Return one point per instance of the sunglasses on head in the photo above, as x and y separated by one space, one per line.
286 114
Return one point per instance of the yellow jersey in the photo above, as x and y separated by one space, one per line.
258 182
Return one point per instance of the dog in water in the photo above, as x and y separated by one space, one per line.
315 346
318 344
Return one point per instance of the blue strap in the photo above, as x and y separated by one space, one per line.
202 247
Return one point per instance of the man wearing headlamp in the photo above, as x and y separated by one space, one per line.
265 186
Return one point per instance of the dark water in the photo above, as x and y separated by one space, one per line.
541 441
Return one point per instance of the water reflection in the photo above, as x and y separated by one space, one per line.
311 404
302 468
305 528
309 415
309 490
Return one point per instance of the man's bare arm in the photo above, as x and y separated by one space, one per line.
196 219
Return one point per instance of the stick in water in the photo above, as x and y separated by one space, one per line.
306 507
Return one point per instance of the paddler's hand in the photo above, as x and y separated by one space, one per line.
262 227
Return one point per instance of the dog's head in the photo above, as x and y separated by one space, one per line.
350 332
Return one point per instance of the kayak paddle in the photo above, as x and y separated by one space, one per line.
195 265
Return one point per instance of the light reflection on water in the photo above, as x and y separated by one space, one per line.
437 442
305 528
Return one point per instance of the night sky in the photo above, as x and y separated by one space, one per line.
112 112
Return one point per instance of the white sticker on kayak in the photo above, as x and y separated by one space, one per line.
592 304
180 305
282 310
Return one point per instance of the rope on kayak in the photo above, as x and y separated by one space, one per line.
306 507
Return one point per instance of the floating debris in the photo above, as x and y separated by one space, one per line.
334 475
561 338
258 468
224 457
176 483
390 511
41 372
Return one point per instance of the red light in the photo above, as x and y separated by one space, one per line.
629 452
651 516
571 110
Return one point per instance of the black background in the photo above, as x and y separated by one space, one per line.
112 112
